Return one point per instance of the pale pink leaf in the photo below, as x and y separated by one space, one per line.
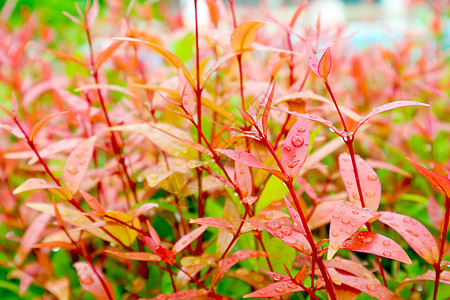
276 289
374 243
277 276
435 213
37 127
295 148
312 59
78 163
91 282
40 184
92 14
243 179
145 207
141 256
187 95
92 202
369 287
414 233
188 238
430 275
386 107
370 184
346 220
351 266
295 215
213 222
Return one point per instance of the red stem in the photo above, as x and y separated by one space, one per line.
437 266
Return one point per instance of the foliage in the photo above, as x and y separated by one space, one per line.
143 158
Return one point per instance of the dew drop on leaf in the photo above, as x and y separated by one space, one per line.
334 233
386 243
292 285
371 287
286 231
280 289
345 221
293 164
301 129
297 141
287 148
372 177
368 240
84 279
335 246
387 253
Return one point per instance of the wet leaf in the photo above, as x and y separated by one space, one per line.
414 233
213 222
276 290
440 182
325 64
386 107
55 244
188 239
186 294
347 219
187 95
255 279
125 234
78 163
40 184
370 184
295 148
277 276
141 256
243 179
38 126
369 287
430 275
93 203
350 266
90 281
245 34
374 243
144 208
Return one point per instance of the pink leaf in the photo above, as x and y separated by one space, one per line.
37 127
141 256
435 213
40 184
295 148
295 215
90 281
213 222
287 234
374 243
92 14
369 287
187 294
93 203
188 238
243 179
370 184
145 207
325 64
187 95
414 233
440 182
312 59
430 275
78 163
106 53
276 289
346 220
277 276
386 107
248 159
31 236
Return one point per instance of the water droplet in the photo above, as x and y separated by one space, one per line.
355 196
355 212
297 141
237 155
258 278
407 220
273 225
79 153
244 191
345 221
334 233
368 240
268 216
312 116
85 279
292 285
72 170
382 296
299 247
287 148
278 234
370 194
336 216
348 231
387 253
335 246
386 243
346 158
435 251
262 292
346 245
286 231
280 289
293 163
301 129
425 254
153 176
241 172
372 177
371 287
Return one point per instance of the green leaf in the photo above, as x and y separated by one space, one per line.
273 191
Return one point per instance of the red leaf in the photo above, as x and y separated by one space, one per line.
187 294
435 213
386 107
295 148
226 263
287 234
78 163
414 233
55 244
369 287
312 59
93 203
213 222
325 64
350 266
90 281
430 275
246 116
276 290
250 160
187 95
141 256
440 182
277 276
370 184
243 179
346 220
374 243
188 238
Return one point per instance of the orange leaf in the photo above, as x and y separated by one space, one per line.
106 53
440 182
36 127
142 256
245 34
325 64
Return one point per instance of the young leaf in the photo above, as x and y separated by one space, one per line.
90 281
435 213
369 287
78 163
93 13
37 127
55 244
346 220
312 59
370 184
325 64
40 184
93 203
386 107
243 179
141 256
213 222
277 276
374 243
187 95
106 53
188 239
430 275
143 208
248 159
295 215
247 116
440 182
245 34
265 116
295 148
276 289
414 233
